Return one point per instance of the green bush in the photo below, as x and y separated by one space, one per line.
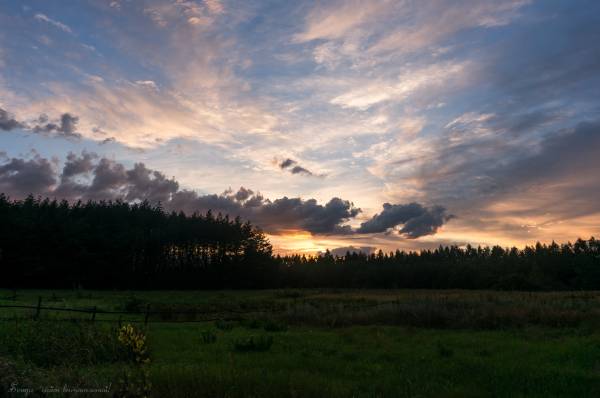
224 325
47 343
252 323
444 351
8 375
133 304
289 293
274 326
253 343
208 337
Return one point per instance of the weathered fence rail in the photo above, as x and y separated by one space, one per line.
145 316
149 315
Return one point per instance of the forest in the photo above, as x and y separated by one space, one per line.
118 245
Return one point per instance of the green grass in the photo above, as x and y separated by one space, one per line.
380 361
367 353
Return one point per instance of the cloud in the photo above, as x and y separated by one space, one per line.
66 128
382 27
293 167
274 216
434 22
214 6
200 14
341 251
20 177
415 219
338 18
7 121
147 83
75 165
287 163
59 25
369 93
152 185
88 176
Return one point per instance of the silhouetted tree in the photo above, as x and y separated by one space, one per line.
115 244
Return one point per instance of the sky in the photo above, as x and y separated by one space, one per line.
329 124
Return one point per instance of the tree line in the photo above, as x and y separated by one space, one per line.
119 245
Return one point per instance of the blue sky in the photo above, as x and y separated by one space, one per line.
485 114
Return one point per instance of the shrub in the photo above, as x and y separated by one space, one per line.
274 326
208 337
135 382
443 351
47 343
253 343
287 293
224 325
8 374
133 341
252 323
133 304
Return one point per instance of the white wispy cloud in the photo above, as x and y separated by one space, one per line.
57 24
363 96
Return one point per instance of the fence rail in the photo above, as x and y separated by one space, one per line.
171 316
221 314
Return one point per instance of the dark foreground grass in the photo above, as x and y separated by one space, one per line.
303 353
379 361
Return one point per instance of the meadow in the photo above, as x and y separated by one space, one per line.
299 343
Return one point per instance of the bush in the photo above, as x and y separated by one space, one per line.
133 341
224 325
208 337
253 343
288 293
8 374
443 351
274 326
47 343
133 304
252 323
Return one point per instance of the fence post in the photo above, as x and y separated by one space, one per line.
39 307
147 314
120 317
94 314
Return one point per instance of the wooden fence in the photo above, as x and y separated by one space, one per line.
144 316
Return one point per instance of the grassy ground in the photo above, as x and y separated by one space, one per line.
326 343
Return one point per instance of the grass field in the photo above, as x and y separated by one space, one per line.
311 343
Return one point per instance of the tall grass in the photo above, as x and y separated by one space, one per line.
47 343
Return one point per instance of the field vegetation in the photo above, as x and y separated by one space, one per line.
297 343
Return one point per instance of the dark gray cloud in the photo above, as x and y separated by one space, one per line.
287 163
107 140
149 184
536 82
243 194
571 153
7 121
75 165
415 219
88 176
273 216
566 163
341 251
20 177
68 123
293 167
66 127
308 215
